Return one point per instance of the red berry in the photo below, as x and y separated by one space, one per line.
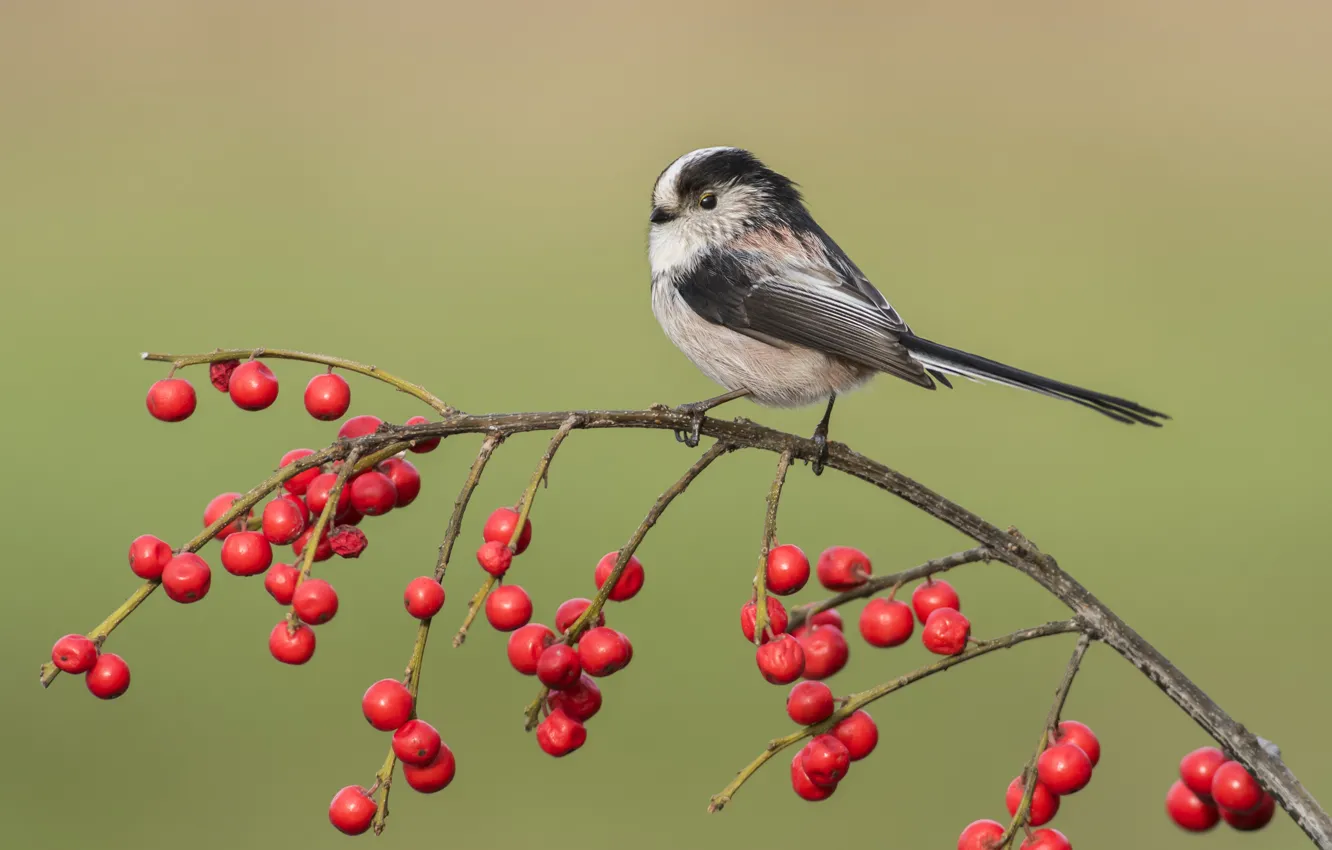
603 651
802 784
1064 769
499 529
323 550
246 553
171 400
1198 767
809 703
219 374
826 651
1046 839
352 810
387 704
423 598
74 654
946 632
558 667
373 493
630 581
424 445
781 660
580 701
842 568
406 480
416 742
109 676
825 760
526 645
219 506
508 607
327 397
1250 821
280 582
1235 789
315 601
931 595
347 541
777 619
297 483
1081 736
495 558
434 776
859 734
559 734
830 617
186 578
359 426
283 521
147 556
1188 810
253 386
1044 804
291 647
886 622
319 489
980 835
787 571
570 610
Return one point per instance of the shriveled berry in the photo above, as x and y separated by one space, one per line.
809 703
291 646
359 426
253 386
494 557
1234 788
246 553
74 654
219 374
826 651
296 484
424 445
1198 767
434 776
508 608
787 570
1254 820
373 493
186 578
315 601
980 835
859 734
571 609
580 701
526 645
323 549
327 397
406 480
1046 839
801 783
781 660
352 810
558 666
946 632
280 582
1081 736
218 506
933 594
630 581
109 676
387 704
777 619
825 760
319 491
171 400
1064 769
423 597
347 541
886 622
1189 811
147 556
603 651
559 734
842 568
416 742
499 529
1044 803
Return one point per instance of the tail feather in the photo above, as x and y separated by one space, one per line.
977 368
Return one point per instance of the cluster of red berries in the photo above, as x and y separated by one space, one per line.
1211 788
818 649
822 763
1064 768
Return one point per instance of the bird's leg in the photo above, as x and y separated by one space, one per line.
821 437
696 411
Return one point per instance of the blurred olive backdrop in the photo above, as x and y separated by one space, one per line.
1136 198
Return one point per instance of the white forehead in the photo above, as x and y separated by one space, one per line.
664 191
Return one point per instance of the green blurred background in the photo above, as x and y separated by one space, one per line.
1135 197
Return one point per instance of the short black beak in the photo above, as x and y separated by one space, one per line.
660 216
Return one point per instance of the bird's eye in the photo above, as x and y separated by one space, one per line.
708 201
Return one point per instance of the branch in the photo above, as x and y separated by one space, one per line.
312 544
769 540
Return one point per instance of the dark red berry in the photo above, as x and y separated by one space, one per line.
558 666
319 490
434 776
859 734
1250 821
297 483
423 597
280 582
802 784
219 374
1234 788
499 529
109 676
826 651
147 556
603 651
980 835
570 610
352 810
423 446
1046 839
1189 811
630 581
886 622
387 704
526 645
416 742
494 557
315 601
186 578
931 595
508 608
253 386
347 541
580 701
559 734
1081 736
359 426
781 660
809 703
1064 769
842 568
373 493
825 760
171 400
291 646
1044 803
406 480
323 549
283 521
246 553
946 632
74 654
327 397
787 571
218 506
777 619
1198 767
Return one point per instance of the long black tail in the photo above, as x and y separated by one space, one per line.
978 368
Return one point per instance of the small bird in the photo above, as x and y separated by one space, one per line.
765 303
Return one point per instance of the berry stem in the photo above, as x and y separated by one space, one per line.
179 361
320 526
769 540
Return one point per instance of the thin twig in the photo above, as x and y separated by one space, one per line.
769 541
312 542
